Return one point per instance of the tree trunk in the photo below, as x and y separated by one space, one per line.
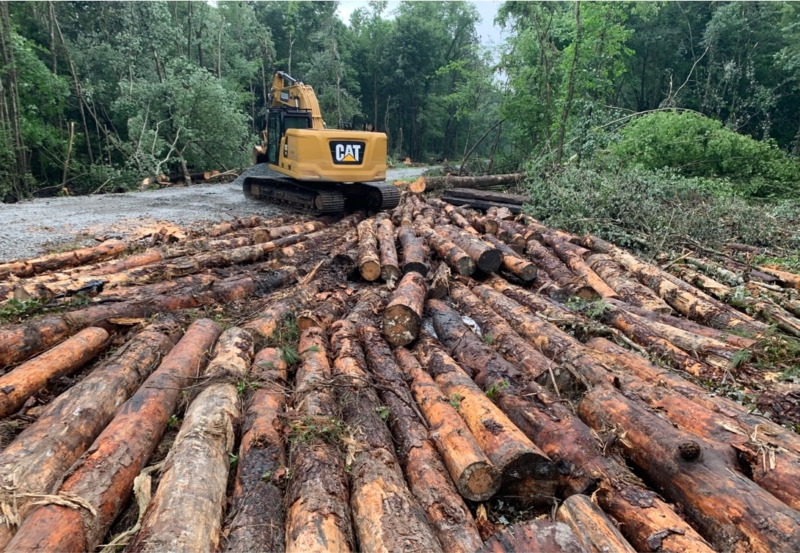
534 535
63 360
44 451
727 508
329 308
434 183
104 478
556 270
385 515
485 195
258 523
317 497
628 289
571 84
454 256
473 473
487 258
185 514
426 475
571 255
413 252
369 264
54 262
390 268
480 204
520 268
402 319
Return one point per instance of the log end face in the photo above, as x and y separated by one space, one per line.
479 481
370 270
401 325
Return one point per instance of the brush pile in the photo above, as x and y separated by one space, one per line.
426 379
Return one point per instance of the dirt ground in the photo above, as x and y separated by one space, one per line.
37 226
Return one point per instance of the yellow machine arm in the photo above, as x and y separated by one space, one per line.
289 92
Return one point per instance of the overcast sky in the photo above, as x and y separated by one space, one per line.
489 33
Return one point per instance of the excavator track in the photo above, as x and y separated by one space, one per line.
321 198
292 194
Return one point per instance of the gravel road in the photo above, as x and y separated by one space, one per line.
33 227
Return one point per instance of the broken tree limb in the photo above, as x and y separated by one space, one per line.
402 319
317 497
258 522
591 526
64 359
40 456
475 476
427 476
185 513
103 480
369 264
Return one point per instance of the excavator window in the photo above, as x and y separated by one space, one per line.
273 136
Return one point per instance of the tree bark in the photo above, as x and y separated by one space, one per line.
390 268
454 256
571 255
512 262
731 511
450 181
104 478
54 262
534 535
486 195
258 523
63 360
556 270
413 252
369 264
628 289
473 473
487 258
402 319
427 476
185 514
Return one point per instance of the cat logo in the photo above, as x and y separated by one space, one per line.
347 153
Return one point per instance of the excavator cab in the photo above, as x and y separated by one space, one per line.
278 121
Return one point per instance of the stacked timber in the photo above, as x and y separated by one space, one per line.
430 379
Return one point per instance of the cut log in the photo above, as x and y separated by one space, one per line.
471 470
104 477
185 514
402 319
257 502
512 262
230 226
534 535
517 199
386 516
450 181
528 475
593 529
556 270
730 511
481 204
317 497
369 264
63 360
500 335
137 260
413 251
549 310
269 320
427 477
329 308
454 256
261 235
572 256
787 279
43 452
628 288
54 262
487 258
390 268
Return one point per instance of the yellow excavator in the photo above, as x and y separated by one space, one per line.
304 165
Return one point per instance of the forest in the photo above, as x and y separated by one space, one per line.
686 98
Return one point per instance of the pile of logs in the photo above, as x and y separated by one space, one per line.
431 379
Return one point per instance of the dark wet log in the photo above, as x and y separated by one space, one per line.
369 264
450 181
402 319
54 262
427 476
473 473
257 501
534 535
63 360
556 270
512 262
481 204
104 476
629 289
487 258
317 497
593 529
386 516
390 267
499 334
486 195
185 513
454 256
527 472
43 452
413 251
731 511
549 309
